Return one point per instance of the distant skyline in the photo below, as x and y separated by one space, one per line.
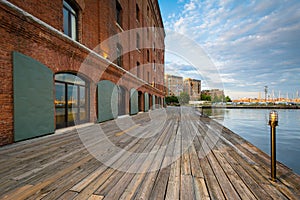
251 43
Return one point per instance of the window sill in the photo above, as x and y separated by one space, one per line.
120 28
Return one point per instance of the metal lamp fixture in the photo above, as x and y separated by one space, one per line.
273 122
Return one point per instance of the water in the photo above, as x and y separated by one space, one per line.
252 125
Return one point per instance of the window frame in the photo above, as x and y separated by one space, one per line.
119 17
138 69
138 41
119 60
137 12
72 13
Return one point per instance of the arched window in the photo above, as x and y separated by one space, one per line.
71 100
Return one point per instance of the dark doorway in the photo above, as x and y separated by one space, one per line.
140 101
150 102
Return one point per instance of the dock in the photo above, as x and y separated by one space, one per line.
172 153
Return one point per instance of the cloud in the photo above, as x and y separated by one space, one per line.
189 6
250 42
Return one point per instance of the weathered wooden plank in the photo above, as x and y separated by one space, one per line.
58 188
233 177
132 187
87 180
200 188
92 187
67 195
262 169
249 175
215 164
187 188
95 197
38 187
16 192
173 188
214 189
226 186
195 164
148 183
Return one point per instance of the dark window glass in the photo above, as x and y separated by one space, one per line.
69 21
119 55
137 11
148 11
148 55
138 41
138 69
119 13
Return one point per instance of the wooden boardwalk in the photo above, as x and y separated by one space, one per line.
176 153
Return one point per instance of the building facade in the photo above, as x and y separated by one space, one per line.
174 85
58 70
215 93
193 88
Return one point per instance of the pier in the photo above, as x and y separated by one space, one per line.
172 153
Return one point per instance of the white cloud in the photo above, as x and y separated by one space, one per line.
252 41
189 6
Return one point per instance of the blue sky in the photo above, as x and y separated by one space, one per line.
252 43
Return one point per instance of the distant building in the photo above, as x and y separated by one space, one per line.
193 88
213 93
174 85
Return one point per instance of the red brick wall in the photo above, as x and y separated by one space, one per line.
22 34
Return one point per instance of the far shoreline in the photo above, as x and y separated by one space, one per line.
248 107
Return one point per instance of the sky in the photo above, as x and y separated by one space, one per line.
250 43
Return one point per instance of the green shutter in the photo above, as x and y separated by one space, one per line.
33 98
146 101
134 104
153 102
107 101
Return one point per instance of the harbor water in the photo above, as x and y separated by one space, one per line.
252 125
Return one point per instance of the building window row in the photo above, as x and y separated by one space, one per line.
70 26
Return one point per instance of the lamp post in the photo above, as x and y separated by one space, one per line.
273 122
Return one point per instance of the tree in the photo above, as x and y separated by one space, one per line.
171 100
227 98
184 98
205 97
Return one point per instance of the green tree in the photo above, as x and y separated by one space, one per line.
205 97
184 98
171 100
228 99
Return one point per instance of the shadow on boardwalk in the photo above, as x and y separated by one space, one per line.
164 154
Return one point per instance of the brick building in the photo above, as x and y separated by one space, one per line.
193 88
174 84
214 93
57 69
